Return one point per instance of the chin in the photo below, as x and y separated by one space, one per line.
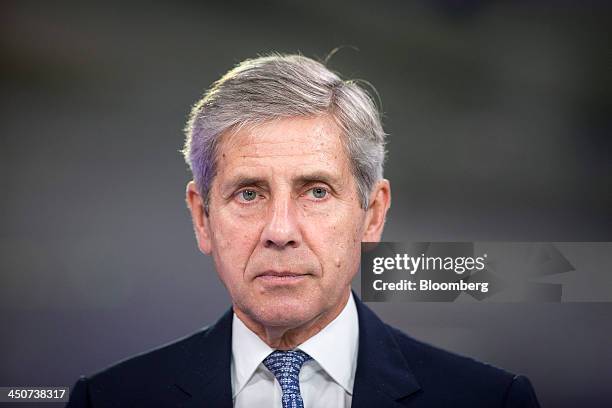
285 312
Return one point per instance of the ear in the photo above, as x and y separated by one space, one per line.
380 201
201 222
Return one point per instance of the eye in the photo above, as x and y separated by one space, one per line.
318 192
247 195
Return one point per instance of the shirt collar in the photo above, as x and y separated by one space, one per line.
248 351
334 348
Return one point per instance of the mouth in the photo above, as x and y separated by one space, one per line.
280 277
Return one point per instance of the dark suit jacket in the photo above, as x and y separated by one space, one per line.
393 370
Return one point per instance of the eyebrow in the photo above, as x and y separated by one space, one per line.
244 180
318 176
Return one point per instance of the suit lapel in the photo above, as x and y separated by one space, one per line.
383 375
205 380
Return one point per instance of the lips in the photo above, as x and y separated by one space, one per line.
280 274
281 278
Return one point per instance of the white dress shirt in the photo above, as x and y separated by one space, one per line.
325 381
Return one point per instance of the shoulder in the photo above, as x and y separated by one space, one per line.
424 357
146 376
168 375
454 377
164 359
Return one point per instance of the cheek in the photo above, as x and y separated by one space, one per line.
337 241
346 227
233 242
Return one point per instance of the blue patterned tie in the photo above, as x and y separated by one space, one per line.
286 366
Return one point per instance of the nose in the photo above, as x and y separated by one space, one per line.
282 228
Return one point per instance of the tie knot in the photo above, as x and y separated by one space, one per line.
286 366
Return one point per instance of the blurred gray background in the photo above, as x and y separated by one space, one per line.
500 129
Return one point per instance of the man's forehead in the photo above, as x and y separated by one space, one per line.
286 136
300 149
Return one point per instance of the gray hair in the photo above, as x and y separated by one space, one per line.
279 86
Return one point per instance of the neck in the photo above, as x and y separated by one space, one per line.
289 337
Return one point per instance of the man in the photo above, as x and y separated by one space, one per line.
288 181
